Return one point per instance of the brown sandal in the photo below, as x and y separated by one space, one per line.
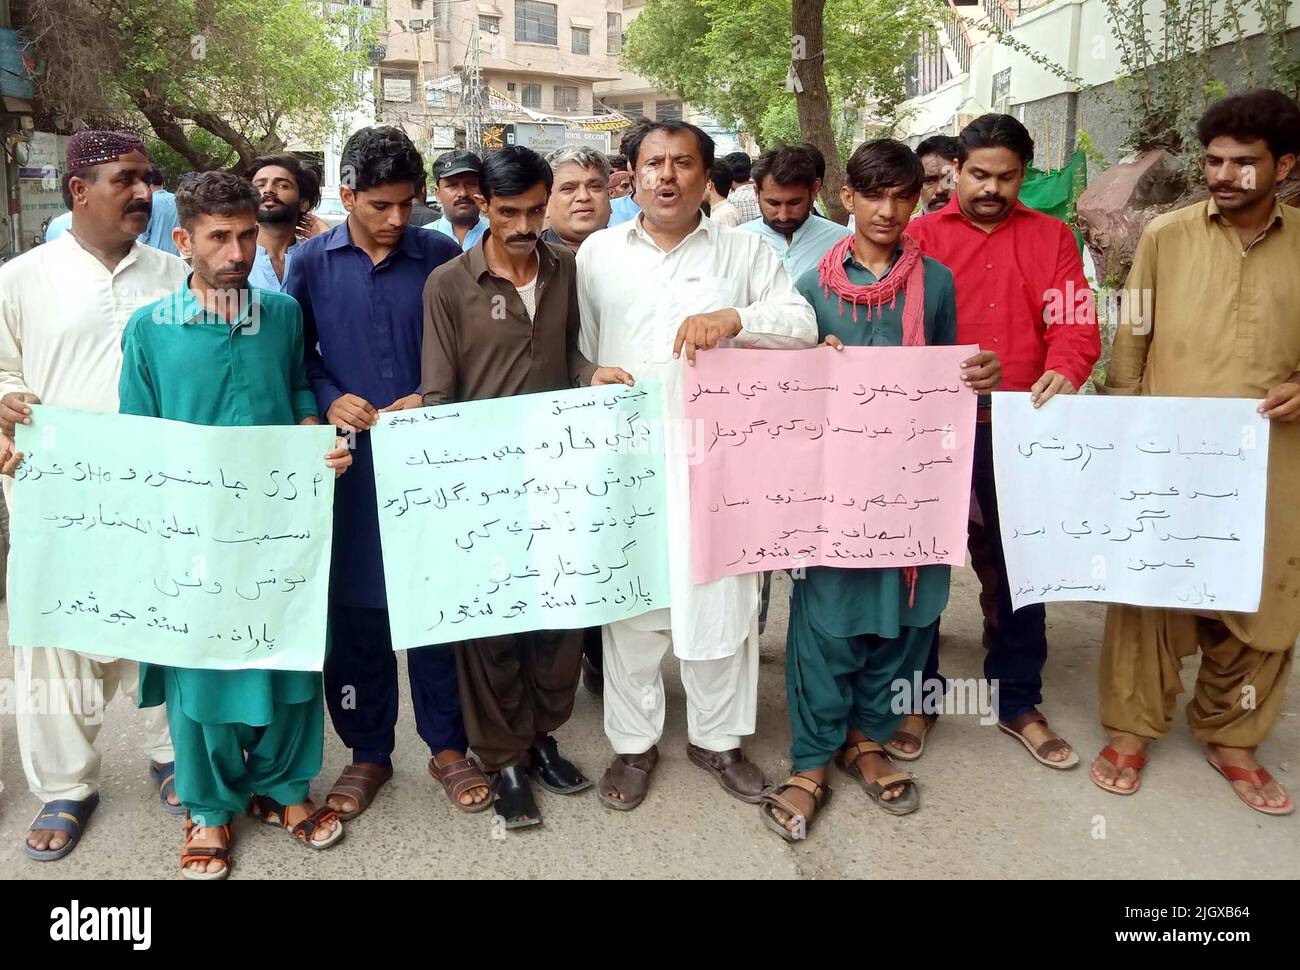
904 804
628 774
361 783
891 746
1135 761
461 777
1016 729
774 799
263 807
193 853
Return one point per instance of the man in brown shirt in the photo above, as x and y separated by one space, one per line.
502 319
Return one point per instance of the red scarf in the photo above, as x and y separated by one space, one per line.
907 276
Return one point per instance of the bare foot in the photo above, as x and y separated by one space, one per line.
1271 795
1122 778
47 839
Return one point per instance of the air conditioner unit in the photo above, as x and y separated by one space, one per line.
494 29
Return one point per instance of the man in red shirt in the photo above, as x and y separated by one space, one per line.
1021 293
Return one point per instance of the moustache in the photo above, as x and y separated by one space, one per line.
1225 187
990 198
145 208
527 237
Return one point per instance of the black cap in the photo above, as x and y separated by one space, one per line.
456 163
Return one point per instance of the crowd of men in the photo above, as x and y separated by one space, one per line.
616 270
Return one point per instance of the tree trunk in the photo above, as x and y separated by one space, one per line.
814 104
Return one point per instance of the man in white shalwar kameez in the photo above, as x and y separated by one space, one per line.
63 307
652 292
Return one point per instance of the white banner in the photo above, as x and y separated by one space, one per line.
1143 500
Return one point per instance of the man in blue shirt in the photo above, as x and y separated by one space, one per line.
786 183
289 189
360 286
457 190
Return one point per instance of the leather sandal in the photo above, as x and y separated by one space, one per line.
164 776
360 782
271 812
738 776
904 804
891 746
514 799
774 799
1016 729
1135 761
61 815
554 772
1258 778
461 777
629 775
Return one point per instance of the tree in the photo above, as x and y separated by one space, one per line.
733 57
218 81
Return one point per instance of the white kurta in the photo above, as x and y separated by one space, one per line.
62 314
633 296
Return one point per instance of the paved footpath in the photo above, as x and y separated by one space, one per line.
988 810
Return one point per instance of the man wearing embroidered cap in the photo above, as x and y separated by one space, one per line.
63 307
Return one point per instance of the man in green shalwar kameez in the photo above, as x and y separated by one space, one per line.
854 634
220 353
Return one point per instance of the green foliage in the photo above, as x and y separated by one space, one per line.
246 73
731 57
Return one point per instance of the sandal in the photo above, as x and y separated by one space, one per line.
360 781
263 807
514 800
821 795
164 776
1259 778
1016 730
553 771
905 804
894 751
1135 761
192 853
61 815
629 775
460 777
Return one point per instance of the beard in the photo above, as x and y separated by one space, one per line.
788 226
277 215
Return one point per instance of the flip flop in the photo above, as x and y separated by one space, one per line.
1259 779
164 776
1135 761
61 815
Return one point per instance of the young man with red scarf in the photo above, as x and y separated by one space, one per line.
854 632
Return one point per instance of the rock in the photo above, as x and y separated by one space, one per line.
1118 204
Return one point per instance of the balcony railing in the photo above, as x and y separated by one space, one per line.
929 68
955 27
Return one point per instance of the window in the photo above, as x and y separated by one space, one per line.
614 33
633 110
566 98
668 111
530 96
535 23
491 24
581 41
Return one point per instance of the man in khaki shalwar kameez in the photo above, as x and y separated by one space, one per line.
1212 309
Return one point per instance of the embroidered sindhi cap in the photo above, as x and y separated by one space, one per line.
90 148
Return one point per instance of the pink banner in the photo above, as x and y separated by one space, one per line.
857 459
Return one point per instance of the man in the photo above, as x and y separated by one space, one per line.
579 202
456 177
239 734
855 633
787 185
939 154
682 286
64 307
1014 269
359 287
716 188
290 190
162 217
422 214
622 190
1219 277
743 191
515 690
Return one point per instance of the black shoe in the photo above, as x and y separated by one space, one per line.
514 799
555 772
592 679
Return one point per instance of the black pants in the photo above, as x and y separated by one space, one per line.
361 687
